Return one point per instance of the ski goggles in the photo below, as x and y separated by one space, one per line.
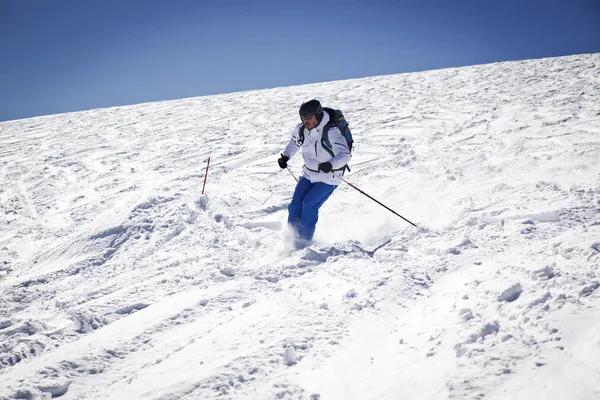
306 117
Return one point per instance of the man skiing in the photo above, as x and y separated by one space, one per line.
318 180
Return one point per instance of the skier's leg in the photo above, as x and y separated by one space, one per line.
295 207
313 200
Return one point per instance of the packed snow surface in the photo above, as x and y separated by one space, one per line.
119 279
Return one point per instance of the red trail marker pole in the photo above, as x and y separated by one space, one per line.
205 175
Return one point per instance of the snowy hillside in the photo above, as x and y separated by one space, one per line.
120 280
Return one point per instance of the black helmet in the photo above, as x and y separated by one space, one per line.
310 108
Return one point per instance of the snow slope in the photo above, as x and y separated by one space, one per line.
120 280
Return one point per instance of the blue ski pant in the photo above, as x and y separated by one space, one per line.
304 209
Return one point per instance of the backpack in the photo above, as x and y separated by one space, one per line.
336 118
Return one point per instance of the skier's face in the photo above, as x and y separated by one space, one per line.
311 122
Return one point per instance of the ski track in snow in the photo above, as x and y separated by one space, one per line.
119 279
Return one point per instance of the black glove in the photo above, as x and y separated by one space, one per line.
283 161
325 167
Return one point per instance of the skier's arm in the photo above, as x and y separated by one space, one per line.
294 144
340 149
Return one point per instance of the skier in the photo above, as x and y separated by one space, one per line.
318 180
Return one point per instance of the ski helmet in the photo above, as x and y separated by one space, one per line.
310 108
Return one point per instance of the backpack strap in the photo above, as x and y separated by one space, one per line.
325 135
301 134
325 143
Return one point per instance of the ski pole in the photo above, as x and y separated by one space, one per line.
376 201
292 174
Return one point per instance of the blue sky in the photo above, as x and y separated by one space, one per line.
59 56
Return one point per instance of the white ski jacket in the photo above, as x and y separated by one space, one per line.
313 152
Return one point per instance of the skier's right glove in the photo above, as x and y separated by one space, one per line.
283 161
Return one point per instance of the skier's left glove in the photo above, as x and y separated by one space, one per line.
325 167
